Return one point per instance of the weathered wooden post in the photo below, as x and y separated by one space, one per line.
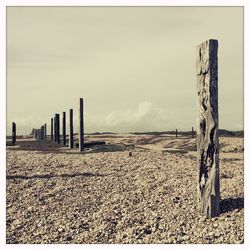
176 133
39 134
71 138
42 133
35 134
51 129
45 131
207 129
58 128
64 128
13 133
192 132
55 126
81 126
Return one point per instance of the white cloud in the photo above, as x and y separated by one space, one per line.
146 117
24 125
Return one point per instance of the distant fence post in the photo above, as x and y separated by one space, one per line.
81 126
71 132
58 128
13 133
42 133
39 134
51 129
45 131
35 134
176 133
55 126
192 132
64 128
207 129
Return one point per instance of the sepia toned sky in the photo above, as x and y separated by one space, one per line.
134 66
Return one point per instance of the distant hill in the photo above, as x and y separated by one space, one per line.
100 133
222 132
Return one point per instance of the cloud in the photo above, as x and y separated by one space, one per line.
24 124
146 117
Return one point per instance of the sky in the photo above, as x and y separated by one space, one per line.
134 66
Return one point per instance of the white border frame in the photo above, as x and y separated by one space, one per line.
5 3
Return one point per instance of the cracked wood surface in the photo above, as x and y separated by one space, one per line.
207 129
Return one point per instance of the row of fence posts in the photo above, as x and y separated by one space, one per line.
41 134
193 133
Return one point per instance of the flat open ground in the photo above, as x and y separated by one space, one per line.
104 195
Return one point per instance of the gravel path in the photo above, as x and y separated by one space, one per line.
62 196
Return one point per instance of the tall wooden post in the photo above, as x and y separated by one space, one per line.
81 125
13 133
176 133
55 126
58 128
45 131
192 132
71 138
51 129
64 128
207 129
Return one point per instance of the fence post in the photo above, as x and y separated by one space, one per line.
64 128
207 129
35 134
176 133
13 133
42 133
58 128
81 140
45 131
55 127
192 132
51 129
39 134
71 132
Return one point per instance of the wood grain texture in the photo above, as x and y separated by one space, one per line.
207 129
